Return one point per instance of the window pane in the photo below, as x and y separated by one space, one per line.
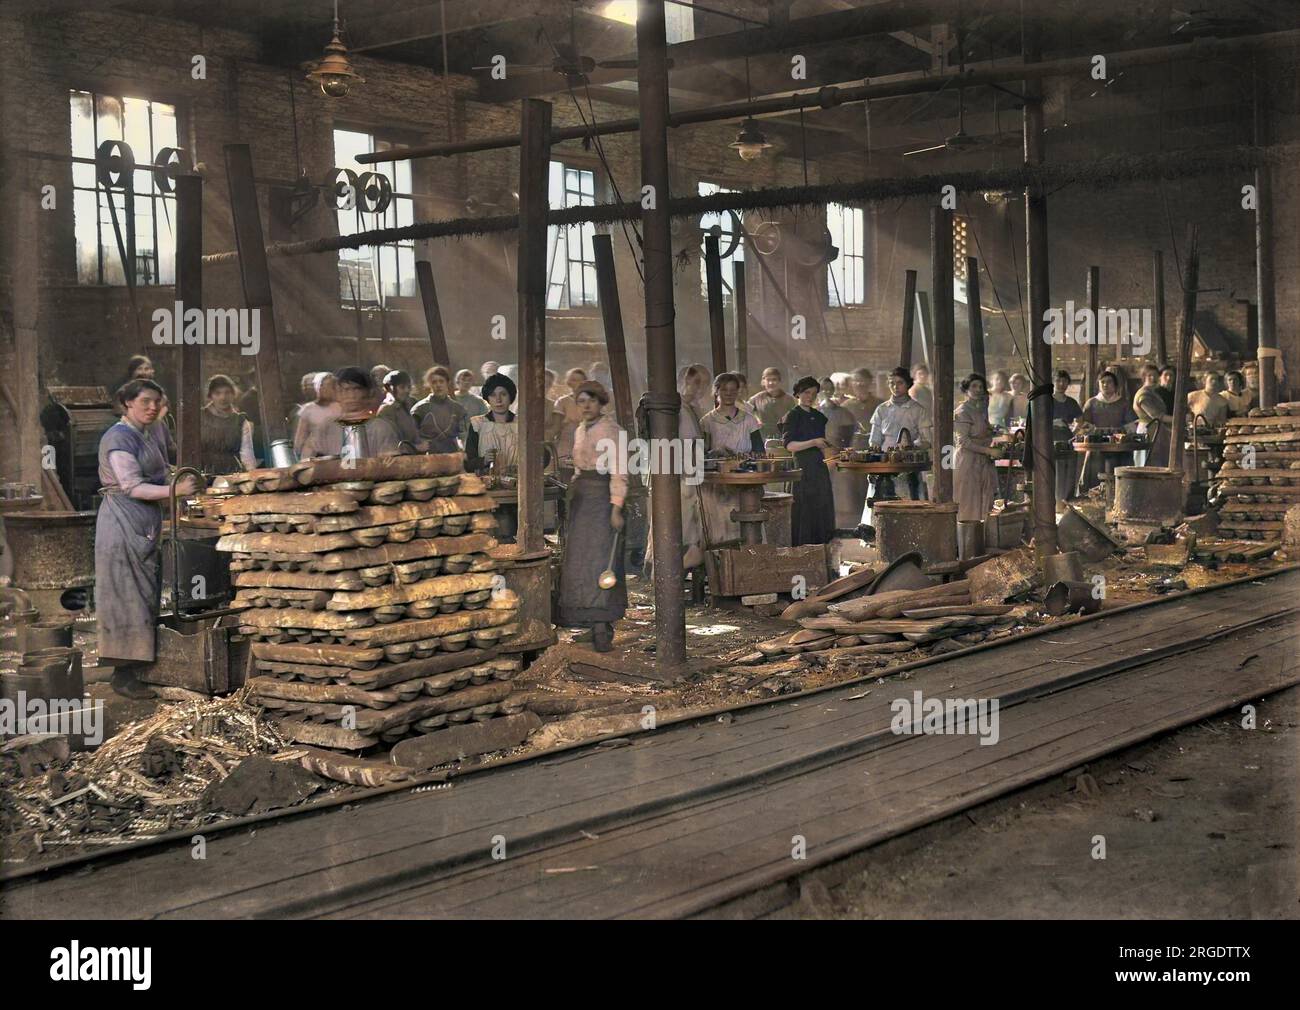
405 211
83 125
406 269
108 115
166 241
83 213
164 126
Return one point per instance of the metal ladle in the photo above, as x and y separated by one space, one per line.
608 580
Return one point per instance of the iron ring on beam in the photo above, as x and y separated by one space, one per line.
113 158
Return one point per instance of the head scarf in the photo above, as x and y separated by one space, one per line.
499 381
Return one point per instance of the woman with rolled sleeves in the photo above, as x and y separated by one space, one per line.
595 518
1108 409
975 478
133 475
804 434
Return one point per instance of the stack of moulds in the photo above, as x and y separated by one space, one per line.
374 607
1260 473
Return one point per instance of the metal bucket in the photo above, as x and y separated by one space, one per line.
1071 598
1062 568
929 528
1149 494
59 670
282 453
970 538
55 633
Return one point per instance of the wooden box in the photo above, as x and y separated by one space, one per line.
762 568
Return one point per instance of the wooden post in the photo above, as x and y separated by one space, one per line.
975 315
662 400
925 320
611 314
534 168
740 298
1267 354
1186 327
909 320
256 277
25 260
1158 276
1094 308
432 314
1040 348
941 364
717 321
189 292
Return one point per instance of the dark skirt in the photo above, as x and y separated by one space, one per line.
588 538
813 518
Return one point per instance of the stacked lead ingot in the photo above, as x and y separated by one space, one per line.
1261 472
371 597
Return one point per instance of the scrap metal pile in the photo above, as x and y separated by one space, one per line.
154 776
372 598
1260 476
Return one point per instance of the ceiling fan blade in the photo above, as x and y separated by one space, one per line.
925 150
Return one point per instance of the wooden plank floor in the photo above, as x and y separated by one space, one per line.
678 820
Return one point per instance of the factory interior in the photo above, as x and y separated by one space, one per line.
571 459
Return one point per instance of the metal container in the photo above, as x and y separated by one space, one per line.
1076 532
50 634
970 538
1149 494
60 670
52 550
929 528
1071 598
1065 567
32 684
780 517
282 453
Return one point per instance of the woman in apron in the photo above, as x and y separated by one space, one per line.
133 478
225 434
728 428
813 519
493 444
1154 421
975 479
1108 409
595 519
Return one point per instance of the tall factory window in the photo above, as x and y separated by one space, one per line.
571 255
846 280
730 243
146 127
371 274
679 19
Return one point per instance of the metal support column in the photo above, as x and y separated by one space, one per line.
1094 351
1267 352
256 277
975 315
611 314
534 168
909 321
189 292
1158 277
740 299
432 313
1186 327
717 321
941 362
661 351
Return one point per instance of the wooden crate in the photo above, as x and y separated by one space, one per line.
761 568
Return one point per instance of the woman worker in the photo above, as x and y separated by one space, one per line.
493 443
595 519
975 481
727 428
225 434
133 478
1154 421
1108 409
813 519
1065 411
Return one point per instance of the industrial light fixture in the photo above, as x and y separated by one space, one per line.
750 142
334 72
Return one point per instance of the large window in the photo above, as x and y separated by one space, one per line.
571 255
730 243
146 127
374 273
846 277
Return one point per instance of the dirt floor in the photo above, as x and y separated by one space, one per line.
1201 823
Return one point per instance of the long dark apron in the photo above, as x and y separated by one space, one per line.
126 557
587 541
813 516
